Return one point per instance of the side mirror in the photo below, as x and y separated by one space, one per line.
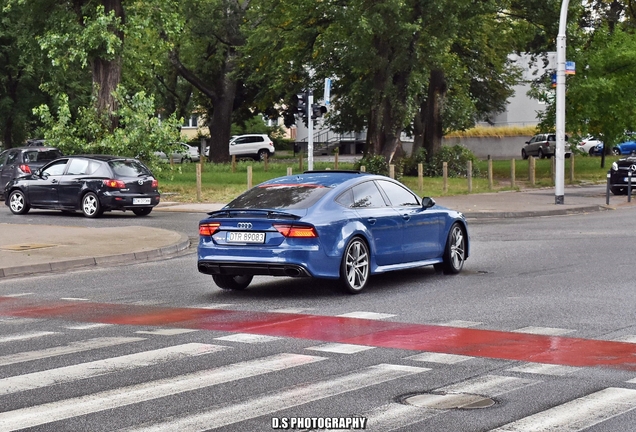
427 202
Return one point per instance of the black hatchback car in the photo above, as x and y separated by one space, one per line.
22 161
92 184
619 175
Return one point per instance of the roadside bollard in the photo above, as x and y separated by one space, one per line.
629 186
607 191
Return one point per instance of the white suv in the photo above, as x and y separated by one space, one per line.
256 146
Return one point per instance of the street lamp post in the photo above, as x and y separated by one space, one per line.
559 180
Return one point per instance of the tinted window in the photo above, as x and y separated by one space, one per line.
128 168
398 195
55 169
41 156
12 157
82 167
3 157
367 195
290 196
346 199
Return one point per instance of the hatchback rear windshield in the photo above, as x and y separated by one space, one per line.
280 196
128 168
41 156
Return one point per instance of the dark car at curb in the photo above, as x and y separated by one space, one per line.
22 161
619 175
91 184
333 225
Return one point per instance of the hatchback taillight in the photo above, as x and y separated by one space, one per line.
296 231
116 184
155 183
207 229
25 168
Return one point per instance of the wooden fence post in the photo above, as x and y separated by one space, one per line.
363 168
249 177
392 171
300 162
289 171
512 173
420 177
445 177
337 149
233 163
531 170
266 162
469 175
490 182
199 182
571 167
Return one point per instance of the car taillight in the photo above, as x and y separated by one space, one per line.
296 231
25 168
118 184
155 183
207 229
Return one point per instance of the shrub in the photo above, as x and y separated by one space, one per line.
410 163
456 157
374 164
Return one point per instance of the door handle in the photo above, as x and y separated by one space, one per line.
53 181
406 217
372 221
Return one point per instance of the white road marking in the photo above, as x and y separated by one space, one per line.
366 315
248 338
460 323
290 310
110 399
625 338
284 399
102 367
439 358
19 321
72 348
340 348
16 295
544 369
211 306
578 414
166 332
24 336
548 331
74 299
489 385
87 326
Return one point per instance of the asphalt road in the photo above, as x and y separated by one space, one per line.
155 344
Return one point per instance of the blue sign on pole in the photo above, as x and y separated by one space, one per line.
570 68
327 90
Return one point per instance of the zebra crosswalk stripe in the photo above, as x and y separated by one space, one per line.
578 414
284 399
72 348
110 399
25 336
102 367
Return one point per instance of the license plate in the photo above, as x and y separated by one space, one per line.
626 180
245 237
141 200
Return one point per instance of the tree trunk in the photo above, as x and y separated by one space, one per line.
220 119
433 128
418 128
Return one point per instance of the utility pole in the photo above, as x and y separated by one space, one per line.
559 178
310 131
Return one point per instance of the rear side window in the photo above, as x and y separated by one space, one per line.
41 156
398 195
82 167
287 196
128 168
367 195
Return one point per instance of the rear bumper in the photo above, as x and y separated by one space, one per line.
125 201
251 268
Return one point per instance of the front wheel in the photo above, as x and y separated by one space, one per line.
262 155
230 282
524 155
616 151
186 159
455 251
617 190
91 206
143 211
354 270
18 203
591 152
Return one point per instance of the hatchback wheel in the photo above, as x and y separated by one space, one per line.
455 251
143 211
18 203
541 155
354 270
229 282
524 155
186 159
91 206
262 155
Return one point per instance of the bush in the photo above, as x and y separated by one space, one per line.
374 164
456 157
410 163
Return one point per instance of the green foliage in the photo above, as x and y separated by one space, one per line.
456 157
375 164
410 163
140 133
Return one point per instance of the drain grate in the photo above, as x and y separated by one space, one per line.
26 246
447 401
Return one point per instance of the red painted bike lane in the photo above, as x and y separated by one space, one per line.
386 334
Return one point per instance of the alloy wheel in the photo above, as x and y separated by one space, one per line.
356 266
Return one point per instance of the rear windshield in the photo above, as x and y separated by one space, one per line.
280 196
41 156
128 168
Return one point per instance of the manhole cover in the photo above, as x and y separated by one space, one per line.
26 246
449 401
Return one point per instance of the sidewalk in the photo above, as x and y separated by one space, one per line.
47 248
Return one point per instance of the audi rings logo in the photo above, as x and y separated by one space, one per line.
245 225
140 182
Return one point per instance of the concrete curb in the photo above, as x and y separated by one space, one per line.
33 269
539 213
